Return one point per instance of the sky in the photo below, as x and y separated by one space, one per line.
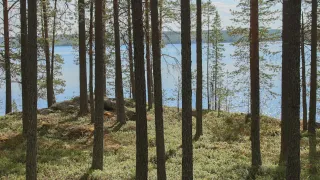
224 7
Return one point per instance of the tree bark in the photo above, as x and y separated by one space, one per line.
187 154
161 168
47 54
208 53
97 155
141 123
284 87
104 47
82 59
31 93
7 56
291 54
304 86
53 44
313 77
149 72
119 87
91 62
216 77
131 63
199 72
255 86
24 58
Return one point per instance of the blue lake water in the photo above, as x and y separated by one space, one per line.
170 74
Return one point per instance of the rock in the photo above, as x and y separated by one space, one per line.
65 106
45 111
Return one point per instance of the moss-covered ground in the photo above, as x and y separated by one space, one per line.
223 152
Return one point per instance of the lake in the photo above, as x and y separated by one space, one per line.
170 74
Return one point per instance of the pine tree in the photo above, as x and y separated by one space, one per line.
313 77
52 49
82 59
49 81
24 58
97 154
268 69
187 154
131 64
141 122
303 78
291 55
119 88
199 72
91 62
161 168
216 40
148 60
7 56
255 86
31 92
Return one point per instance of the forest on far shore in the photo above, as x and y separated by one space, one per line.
169 37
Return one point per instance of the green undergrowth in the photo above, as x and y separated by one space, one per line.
223 152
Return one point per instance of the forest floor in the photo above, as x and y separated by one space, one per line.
223 152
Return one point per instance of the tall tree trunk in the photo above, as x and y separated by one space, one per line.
82 59
284 87
187 154
208 53
141 123
255 86
132 82
149 72
216 77
91 62
31 92
47 54
97 155
304 86
24 51
7 56
291 54
199 72
161 167
160 21
104 47
119 88
53 44
313 77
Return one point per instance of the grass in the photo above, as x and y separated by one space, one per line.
223 152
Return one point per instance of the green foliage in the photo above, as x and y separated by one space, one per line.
240 29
